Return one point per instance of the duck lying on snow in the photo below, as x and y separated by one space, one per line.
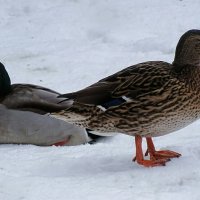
21 122
25 127
145 100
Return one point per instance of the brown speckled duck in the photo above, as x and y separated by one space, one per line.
144 100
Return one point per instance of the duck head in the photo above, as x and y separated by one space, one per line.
5 83
188 49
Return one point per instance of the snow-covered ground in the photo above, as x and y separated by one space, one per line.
69 44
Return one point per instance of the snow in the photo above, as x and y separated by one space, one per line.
68 44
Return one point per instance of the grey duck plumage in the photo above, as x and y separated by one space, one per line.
36 100
144 100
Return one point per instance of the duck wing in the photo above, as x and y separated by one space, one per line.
129 83
32 98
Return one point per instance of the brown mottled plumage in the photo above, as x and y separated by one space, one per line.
148 99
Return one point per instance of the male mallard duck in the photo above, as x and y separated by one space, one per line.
23 122
27 97
145 100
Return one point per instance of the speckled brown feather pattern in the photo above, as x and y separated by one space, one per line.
161 97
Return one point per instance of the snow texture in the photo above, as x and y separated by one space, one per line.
68 44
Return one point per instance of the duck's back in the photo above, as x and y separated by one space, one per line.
31 98
146 99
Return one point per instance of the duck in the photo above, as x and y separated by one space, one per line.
30 128
24 116
145 100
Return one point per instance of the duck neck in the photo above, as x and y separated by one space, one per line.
189 74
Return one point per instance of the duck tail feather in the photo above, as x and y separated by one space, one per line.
78 113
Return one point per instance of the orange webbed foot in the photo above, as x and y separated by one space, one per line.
140 158
153 163
61 143
157 158
159 154
165 154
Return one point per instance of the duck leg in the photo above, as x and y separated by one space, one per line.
156 155
140 158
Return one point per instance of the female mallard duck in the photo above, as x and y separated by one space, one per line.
23 120
145 100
